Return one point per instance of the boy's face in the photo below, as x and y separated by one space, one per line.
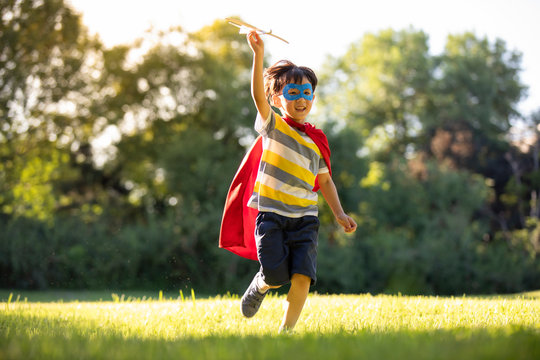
294 100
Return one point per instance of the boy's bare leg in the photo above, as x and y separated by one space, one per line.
295 300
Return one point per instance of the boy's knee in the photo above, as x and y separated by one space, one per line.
300 280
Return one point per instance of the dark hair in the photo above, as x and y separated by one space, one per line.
284 72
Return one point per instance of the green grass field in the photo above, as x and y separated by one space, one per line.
96 326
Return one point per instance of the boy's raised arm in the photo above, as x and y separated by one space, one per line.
257 82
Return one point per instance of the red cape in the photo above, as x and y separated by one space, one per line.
238 223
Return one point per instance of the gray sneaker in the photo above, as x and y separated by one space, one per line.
252 299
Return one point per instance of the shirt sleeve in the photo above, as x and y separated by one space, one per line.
264 126
322 166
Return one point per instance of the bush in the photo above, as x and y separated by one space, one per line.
414 237
425 237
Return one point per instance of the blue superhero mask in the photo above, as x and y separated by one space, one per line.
305 91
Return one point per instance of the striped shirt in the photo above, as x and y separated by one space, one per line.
289 164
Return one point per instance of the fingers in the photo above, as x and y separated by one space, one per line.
253 37
353 224
255 40
350 225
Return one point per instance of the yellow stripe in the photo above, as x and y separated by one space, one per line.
282 126
288 166
287 199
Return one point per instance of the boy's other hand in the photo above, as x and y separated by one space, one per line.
347 222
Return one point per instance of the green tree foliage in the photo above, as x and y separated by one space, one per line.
474 103
178 116
181 138
437 162
46 61
380 87
41 56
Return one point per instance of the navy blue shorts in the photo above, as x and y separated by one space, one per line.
286 246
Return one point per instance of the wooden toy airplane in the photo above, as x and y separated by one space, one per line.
245 28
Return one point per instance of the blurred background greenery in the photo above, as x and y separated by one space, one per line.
115 161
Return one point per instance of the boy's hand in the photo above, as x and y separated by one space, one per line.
347 222
255 43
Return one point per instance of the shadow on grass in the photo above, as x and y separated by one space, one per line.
456 344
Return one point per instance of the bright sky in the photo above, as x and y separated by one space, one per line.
318 28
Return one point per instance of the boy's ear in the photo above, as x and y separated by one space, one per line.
276 101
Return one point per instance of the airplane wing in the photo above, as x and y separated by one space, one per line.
245 28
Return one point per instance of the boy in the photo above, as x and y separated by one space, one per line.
294 163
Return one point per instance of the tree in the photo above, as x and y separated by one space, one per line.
380 87
181 116
434 185
183 112
44 64
475 94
